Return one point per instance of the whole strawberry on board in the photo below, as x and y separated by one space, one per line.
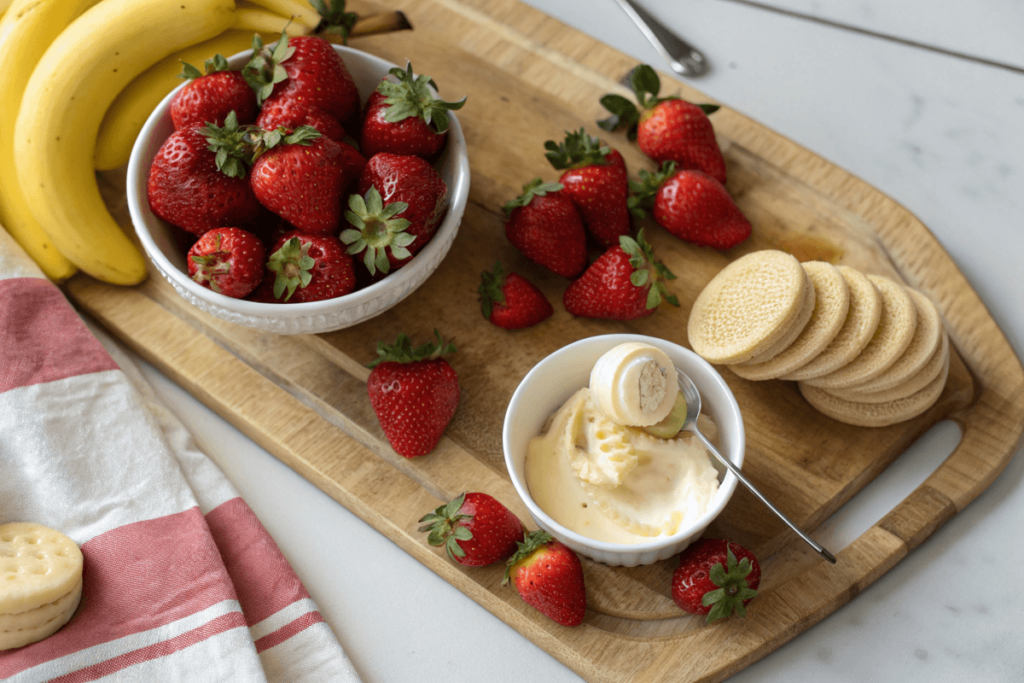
209 97
549 577
414 392
475 529
668 128
511 301
227 260
596 182
710 580
304 267
691 205
412 201
301 71
299 177
624 283
545 225
403 117
198 188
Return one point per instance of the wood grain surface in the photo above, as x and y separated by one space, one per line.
529 78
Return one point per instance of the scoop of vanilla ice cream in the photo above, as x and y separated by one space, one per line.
635 384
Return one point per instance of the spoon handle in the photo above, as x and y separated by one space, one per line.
753 489
685 59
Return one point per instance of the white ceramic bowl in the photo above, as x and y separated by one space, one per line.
553 380
298 318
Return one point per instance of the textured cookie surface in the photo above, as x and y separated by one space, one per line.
37 566
831 304
922 348
747 307
895 331
875 414
861 322
42 622
803 316
932 369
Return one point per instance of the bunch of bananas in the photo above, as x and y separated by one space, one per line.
79 78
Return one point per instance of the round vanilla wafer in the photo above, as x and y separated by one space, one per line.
926 341
832 302
917 382
861 322
37 566
747 307
875 414
798 325
24 628
891 339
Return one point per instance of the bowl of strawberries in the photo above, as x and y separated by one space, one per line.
299 187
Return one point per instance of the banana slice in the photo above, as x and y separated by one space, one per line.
635 384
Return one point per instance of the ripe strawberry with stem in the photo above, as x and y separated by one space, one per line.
596 182
227 260
624 283
710 580
299 177
414 393
305 69
199 179
403 117
691 205
412 203
304 267
511 301
209 97
549 577
475 529
668 128
545 225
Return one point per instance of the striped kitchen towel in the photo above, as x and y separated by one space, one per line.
181 582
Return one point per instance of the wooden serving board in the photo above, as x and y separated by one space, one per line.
529 78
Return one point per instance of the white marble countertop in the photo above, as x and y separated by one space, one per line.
924 100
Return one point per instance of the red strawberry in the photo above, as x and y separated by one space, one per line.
511 301
403 199
710 581
211 97
309 268
691 205
309 71
414 393
403 117
227 260
353 163
549 576
544 224
300 178
596 182
475 529
197 189
669 129
624 283
292 113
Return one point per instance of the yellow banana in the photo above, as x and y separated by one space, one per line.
4 6
81 73
27 29
131 108
258 20
301 11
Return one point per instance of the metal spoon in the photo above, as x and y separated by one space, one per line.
685 59
692 397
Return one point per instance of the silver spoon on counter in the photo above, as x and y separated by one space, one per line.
692 398
685 59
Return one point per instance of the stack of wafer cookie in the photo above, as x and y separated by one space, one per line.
40 582
865 350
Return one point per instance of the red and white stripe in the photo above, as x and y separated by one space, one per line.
181 581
